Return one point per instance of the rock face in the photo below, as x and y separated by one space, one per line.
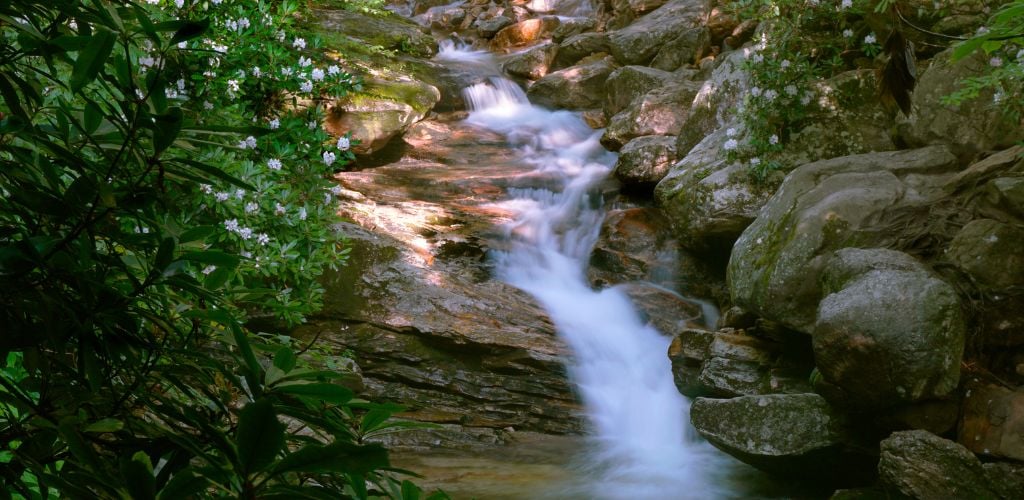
993 421
524 33
639 42
888 332
794 435
662 111
971 127
532 63
990 251
578 87
576 47
921 465
382 111
644 161
822 207
626 84
393 33
683 50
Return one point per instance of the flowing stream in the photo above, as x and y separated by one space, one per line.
643 446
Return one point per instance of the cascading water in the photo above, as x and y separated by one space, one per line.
643 447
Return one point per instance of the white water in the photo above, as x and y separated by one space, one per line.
643 445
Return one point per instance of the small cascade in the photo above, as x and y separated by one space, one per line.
643 446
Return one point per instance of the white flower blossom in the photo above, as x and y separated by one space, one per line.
318 74
846 4
731 132
182 45
758 58
302 213
274 164
731 144
756 91
343 143
206 188
262 238
998 97
785 63
870 39
307 86
279 209
791 90
312 125
257 72
207 105
209 269
245 232
222 196
337 190
233 86
240 193
773 140
299 43
286 71
274 124
755 161
333 70
251 142
305 61
252 207
329 158
181 84
770 95
328 198
281 35
246 254
848 33
179 3
231 225
995 62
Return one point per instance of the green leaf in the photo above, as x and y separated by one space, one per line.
164 255
215 172
105 425
138 477
284 359
198 233
338 457
373 420
92 117
326 392
91 59
184 484
215 257
410 491
167 127
260 436
190 30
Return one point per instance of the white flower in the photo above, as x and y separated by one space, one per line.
247 255
243 23
302 213
731 144
998 97
274 124
755 161
206 188
222 196
995 62
251 142
207 105
329 158
274 164
239 193
233 86
758 58
139 94
344 143
251 207
216 2
848 33
182 45
333 70
181 84
209 269
262 238
318 74
730 132
785 63
286 71
256 71
179 3
773 140
805 99
791 90
337 190
870 39
756 91
846 4
312 125
770 95
305 61
231 225
981 31
299 43
279 209
245 233
281 35
328 198
307 86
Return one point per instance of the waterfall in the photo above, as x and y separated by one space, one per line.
643 446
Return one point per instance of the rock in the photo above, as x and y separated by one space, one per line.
571 27
382 111
1003 162
577 47
792 435
636 6
627 83
487 29
641 40
971 127
421 6
921 465
715 104
667 311
721 22
888 332
578 87
531 63
683 50
644 161
938 416
688 351
524 33
821 207
990 252
1006 479
393 32
993 421
662 111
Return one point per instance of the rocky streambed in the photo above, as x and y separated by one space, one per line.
871 339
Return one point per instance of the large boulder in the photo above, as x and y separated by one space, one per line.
821 207
921 465
972 126
578 87
644 161
393 32
383 110
990 251
524 33
793 435
716 103
888 332
640 41
993 421
662 111
683 50
576 47
626 84
531 63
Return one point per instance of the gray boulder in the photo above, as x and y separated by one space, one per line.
990 251
576 47
578 87
490 27
531 63
683 50
662 111
888 332
644 161
923 466
641 40
385 109
627 83
993 421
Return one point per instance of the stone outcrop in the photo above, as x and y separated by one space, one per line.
383 110
644 161
577 87
531 63
626 84
684 50
662 111
392 33
922 466
639 42
993 421
576 47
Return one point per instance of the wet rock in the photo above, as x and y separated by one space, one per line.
821 207
644 161
393 32
990 252
888 331
970 127
578 87
641 40
921 465
421 6
382 111
793 435
687 353
572 26
721 22
993 421
662 111
626 84
531 63
667 311
524 33
684 50
715 104
1006 479
636 6
576 47
487 29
